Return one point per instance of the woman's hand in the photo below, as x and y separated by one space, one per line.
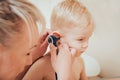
41 46
62 63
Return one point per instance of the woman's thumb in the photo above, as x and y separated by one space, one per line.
53 52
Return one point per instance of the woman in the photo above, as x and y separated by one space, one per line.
18 37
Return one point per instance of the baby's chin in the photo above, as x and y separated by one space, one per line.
78 53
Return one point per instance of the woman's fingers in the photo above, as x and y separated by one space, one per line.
63 47
43 41
43 37
53 52
73 51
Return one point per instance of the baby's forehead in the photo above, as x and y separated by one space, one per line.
70 29
76 31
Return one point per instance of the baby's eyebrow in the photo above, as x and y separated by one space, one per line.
81 36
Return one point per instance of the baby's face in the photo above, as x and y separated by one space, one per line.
76 37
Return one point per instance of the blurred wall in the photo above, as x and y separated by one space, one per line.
104 44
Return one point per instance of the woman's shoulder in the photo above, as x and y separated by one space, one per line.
43 60
39 69
42 63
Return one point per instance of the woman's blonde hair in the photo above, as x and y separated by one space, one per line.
15 13
70 13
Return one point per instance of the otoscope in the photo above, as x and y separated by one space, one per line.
54 39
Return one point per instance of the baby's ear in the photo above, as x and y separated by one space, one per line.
57 34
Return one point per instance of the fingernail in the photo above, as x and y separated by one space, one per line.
50 44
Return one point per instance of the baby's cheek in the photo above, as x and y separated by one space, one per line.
78 52
75 45
78 48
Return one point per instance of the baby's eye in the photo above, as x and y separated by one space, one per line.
81 39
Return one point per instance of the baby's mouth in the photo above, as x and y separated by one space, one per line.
82 51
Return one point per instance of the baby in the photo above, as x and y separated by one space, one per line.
71 19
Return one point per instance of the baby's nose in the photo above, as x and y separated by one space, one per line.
85 45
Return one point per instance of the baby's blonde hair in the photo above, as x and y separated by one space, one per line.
13 15
70 13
